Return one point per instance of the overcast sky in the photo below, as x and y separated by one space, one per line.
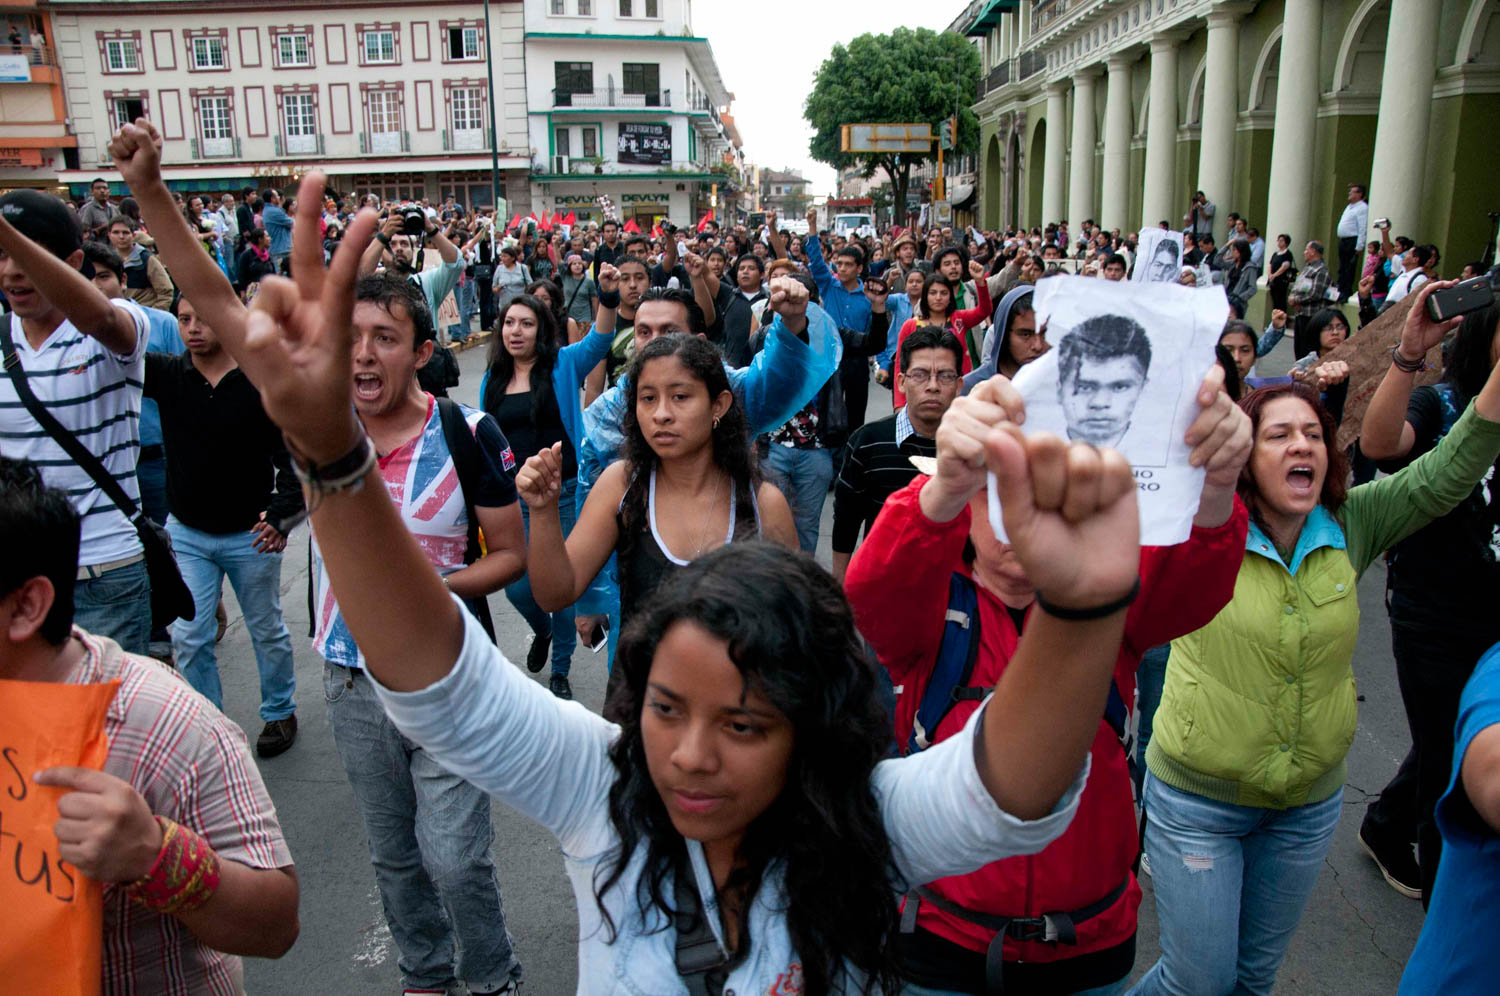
769 50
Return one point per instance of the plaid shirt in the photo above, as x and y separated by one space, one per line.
1311 286
191 764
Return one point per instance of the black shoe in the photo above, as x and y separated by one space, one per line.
277 737
536 657
560 687
1398 863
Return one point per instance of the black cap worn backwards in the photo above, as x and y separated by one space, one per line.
44 219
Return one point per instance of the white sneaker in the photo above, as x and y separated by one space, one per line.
1145 863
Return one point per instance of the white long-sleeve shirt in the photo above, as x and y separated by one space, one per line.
489 724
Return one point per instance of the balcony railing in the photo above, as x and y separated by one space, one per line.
37 55
466 139
1030 63
384 143
997 77
299 145
610 96
1048 11
214 148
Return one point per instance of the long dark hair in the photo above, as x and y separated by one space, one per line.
792 637
555 295
502 366
1469 364
1334 482
731 445
936 277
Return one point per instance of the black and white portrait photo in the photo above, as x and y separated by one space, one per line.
1124 374
1158 257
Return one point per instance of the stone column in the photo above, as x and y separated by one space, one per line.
1117 132
1401 129
1081 177
1295 135
1054 173
1161 135
1220 104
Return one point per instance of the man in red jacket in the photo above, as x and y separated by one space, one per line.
1064 920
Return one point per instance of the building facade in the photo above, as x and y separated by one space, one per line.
624 103
1118 110
785 192
35 143
390 100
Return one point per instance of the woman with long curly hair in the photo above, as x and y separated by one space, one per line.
687 484
742 831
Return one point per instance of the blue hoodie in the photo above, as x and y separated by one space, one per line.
991 366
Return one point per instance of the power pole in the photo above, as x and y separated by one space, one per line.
489 67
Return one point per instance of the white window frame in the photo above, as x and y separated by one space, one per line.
373 58
299 122
288 59
122 47
469 43
466 105
114 109
216 126
209 44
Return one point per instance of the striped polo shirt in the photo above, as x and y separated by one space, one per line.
95 394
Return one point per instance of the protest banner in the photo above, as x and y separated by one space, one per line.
54 916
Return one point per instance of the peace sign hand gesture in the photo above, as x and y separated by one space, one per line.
299 339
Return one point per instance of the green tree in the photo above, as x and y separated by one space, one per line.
907 76
795 205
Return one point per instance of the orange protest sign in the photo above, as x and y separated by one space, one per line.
54 916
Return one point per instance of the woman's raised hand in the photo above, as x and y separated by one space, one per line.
298 337
539 481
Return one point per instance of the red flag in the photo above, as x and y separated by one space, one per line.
514 222
631 227
571 219
656 231
703 221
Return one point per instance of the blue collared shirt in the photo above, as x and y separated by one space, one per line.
1321 529
849 309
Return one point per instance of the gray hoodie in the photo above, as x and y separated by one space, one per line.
990 366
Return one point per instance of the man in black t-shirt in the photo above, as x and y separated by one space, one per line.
1441 581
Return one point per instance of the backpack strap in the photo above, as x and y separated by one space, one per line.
465 450
700 960
460 440
954 668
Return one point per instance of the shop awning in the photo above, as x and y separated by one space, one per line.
988 15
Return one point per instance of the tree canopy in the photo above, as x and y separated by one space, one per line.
906 76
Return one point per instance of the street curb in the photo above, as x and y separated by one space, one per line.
475 339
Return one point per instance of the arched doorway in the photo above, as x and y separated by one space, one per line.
992 184
1036 167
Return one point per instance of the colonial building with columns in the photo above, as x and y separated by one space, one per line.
1118 110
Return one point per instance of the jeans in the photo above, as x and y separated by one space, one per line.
151 475
1231 884
468 305
118 605
802 476
430 836
1432 667
1113 989
1349 266
205 559
564 636
1149 679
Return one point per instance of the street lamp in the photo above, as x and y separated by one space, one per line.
489 68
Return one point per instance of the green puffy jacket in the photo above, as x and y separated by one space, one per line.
1259 705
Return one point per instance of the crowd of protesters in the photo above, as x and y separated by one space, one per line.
936 764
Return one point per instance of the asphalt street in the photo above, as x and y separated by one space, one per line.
1354 939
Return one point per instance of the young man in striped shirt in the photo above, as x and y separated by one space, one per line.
83 356
878 463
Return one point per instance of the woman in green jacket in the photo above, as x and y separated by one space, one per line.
1245 771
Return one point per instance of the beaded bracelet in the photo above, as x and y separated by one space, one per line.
184 876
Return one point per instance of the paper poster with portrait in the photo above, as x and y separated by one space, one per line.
1158 257
1123 373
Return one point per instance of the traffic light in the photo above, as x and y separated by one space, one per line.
945 139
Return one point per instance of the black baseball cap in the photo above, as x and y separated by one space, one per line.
44 219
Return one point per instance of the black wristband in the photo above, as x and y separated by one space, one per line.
609 299
1095 612
383 239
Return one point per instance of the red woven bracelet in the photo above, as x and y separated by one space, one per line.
184 876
